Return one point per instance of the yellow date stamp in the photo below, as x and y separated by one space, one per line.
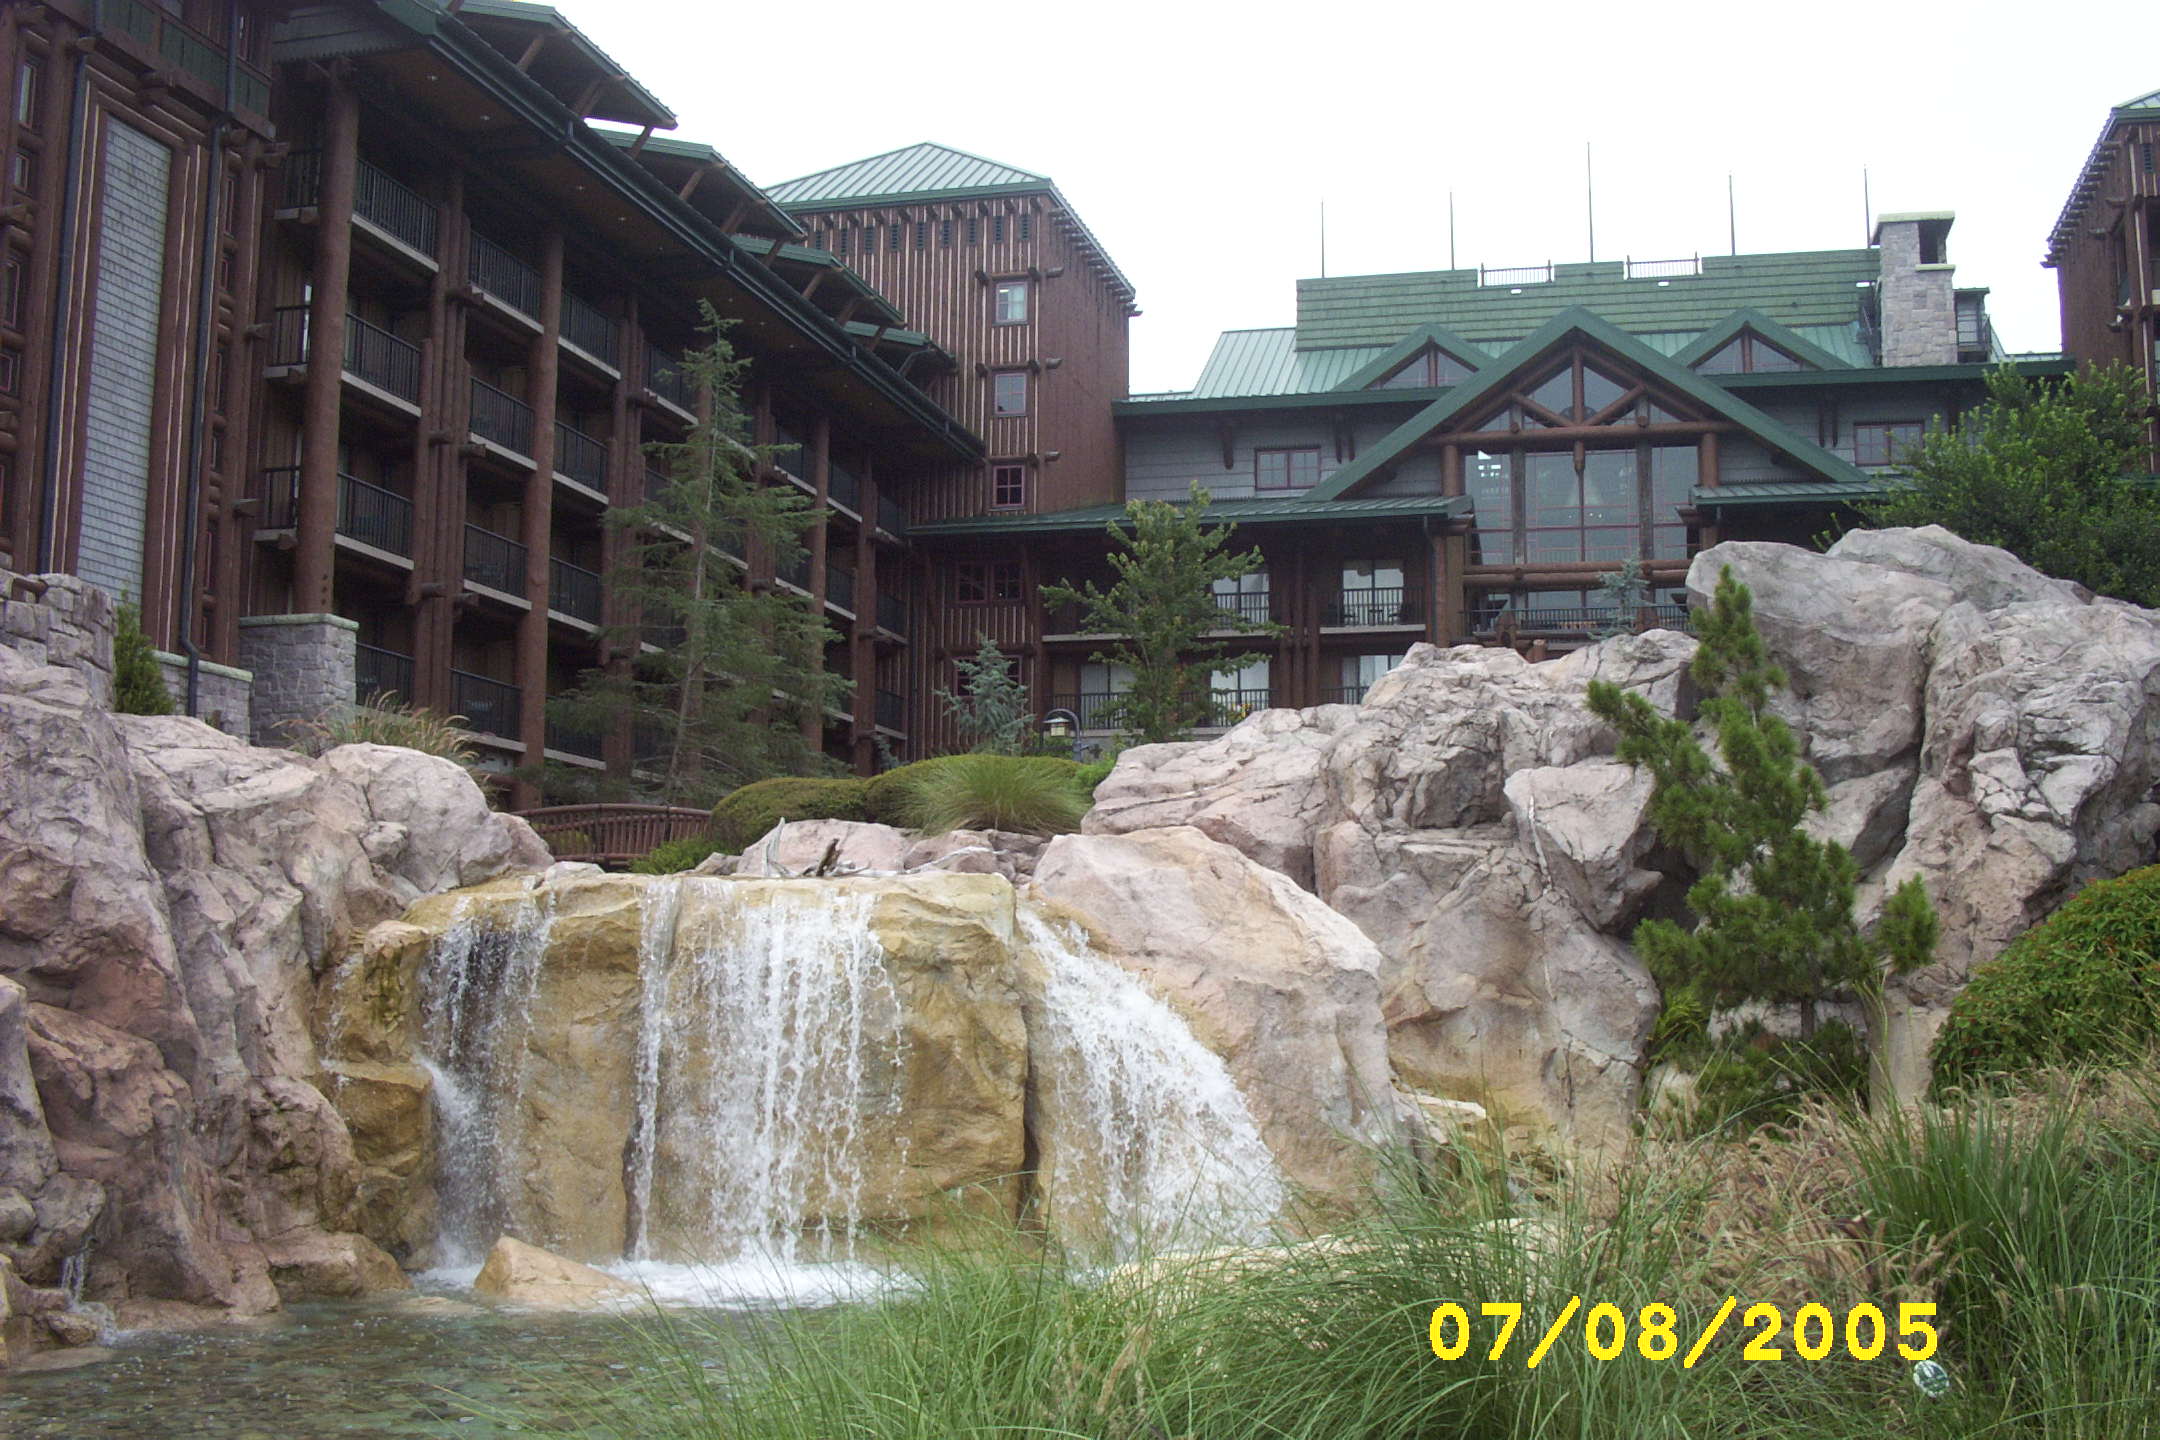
1653 1331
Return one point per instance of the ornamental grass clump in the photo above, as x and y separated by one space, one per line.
383 719
1032 795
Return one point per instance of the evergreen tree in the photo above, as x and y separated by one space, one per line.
1773 905
1623 592
737 668
2045 470
138 679
1163 605
991 709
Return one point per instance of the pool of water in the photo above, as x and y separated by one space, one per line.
426 1365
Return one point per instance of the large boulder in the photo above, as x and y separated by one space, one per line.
1284 989
528 1275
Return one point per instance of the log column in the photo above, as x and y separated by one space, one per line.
813 720
539 514
315 560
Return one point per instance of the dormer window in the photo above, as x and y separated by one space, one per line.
1746 354
1433 368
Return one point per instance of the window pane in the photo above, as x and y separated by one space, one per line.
1490 485
1286 469
1553 490
1447 370
1763 356
1414 376
1558 393
1668 542
1673 472
1725 360
1010 392
1012 302
1609 496
1598 391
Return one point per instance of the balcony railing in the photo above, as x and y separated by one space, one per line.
790 454
1576 619
374 516
1365 606
892 613
892 516
664 377
797 574
1091 707
1663 269
841 486
499 416
372 353
586 744
891 711
1516 274
1227 707
584 326
840 588
377 671
574 591
580 457
1253 607
379 198
1344 694
495 561
189 51
489 706
504 276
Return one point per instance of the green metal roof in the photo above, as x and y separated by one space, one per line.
1791 341
1437 337
1582 322
914 171
644 107
1268 362
1790 492
1810 287
1240 512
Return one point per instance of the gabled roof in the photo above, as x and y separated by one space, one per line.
1567 324
916 172
1703 346
1268 362
2143 108
1409 348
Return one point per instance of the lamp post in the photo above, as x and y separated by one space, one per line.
1062 724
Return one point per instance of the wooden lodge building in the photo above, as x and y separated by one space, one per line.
2105 250
467 205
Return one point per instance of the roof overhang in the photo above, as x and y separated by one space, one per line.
1095 518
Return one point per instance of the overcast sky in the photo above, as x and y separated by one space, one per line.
1198 141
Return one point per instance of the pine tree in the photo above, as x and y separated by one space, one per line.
991 709
1622 593
1772 904
720 703
1163 605
138 679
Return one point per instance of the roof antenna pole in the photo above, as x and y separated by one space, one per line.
1323 239
1590 199
1732 215
1451 230
1867 210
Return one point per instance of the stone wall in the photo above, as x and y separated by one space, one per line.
303 667
1919 301
60 620
224 696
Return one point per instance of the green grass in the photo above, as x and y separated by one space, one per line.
2034 1224
385 720
1034 795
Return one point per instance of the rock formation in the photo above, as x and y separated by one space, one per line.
167 895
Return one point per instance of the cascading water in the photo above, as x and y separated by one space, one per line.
476 1007
1153 1143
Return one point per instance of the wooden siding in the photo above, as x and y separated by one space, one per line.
2120 227
1073 345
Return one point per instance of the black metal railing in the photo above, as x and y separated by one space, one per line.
842 487
1577 619
892 613
1356 606
1092 708
1227 707
840 588
377 671
891 711
664 377
1068 619
586 744
892 516
281 497
1516 274
489 706
580 457
1253 607
1343 694
378 198
372 353
188 50
495 561
1223 708
1663 269
499 416
584 326
504 276
574 591
374 516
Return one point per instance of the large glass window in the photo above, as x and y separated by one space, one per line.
1245 596
1672 485
1622 503
1746 353
1490 482
1435 367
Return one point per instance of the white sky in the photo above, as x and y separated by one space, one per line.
1199 140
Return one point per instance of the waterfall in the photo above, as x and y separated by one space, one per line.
776 1041
476 1003
656 942
1145 1132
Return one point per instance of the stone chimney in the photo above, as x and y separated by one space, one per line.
1918 293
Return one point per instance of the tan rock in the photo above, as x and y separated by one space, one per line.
311 1265
528 1275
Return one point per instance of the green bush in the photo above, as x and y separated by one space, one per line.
745 816
2081 987
889 792
1095 772
1034 795
138 679
672 857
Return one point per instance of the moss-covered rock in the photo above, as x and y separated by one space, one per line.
748 813
2081 987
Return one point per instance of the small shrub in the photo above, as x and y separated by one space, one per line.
1094 773
889 793
385 720
672 857
747 814
1032 795
138 679
2081 987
